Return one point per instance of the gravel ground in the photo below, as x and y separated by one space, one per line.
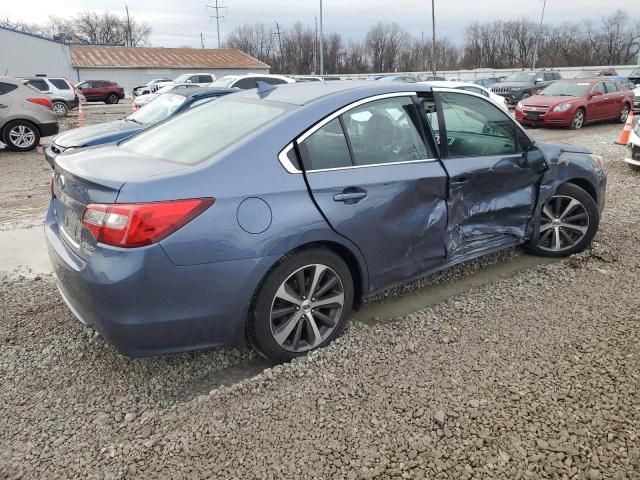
536 376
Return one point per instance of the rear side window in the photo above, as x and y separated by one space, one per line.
246 83
59 83
205 79
6 88
271 80
611 87
548 76
557 76
200 133
326 148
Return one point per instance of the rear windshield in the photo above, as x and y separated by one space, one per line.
566 89
199 134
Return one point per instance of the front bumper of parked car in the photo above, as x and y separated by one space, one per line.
146 305
511 96
544 116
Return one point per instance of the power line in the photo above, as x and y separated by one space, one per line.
217 16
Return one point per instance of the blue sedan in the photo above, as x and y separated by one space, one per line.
265 216
159 109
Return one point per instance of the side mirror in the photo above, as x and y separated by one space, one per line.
535 160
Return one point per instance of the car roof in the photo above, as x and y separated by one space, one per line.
11 80
307 92
450 84
206 92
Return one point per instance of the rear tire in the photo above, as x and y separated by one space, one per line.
567 224
112 99
304 304
20 136
578 120
624 114
60 108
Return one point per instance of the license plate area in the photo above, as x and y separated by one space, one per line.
72 227
533 116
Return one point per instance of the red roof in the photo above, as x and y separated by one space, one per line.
99 56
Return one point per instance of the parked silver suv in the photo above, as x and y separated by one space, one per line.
25 115
62 93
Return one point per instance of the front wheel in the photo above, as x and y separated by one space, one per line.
303 304
112 99
578 120
567 224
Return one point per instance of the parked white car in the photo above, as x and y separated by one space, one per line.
150 87
198 79
142 100
636 99
248 81
472 87
632 157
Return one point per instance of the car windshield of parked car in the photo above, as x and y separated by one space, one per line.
566 89
182 78
521 77
165 89
223 82
199 134
158 109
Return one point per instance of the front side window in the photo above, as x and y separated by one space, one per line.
199 134
476 128
326 148
599 87
158 109
385 131
548 76
85 85
59 83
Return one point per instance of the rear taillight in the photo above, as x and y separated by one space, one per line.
138 224
45 102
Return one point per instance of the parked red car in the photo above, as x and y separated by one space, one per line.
573 103
101 91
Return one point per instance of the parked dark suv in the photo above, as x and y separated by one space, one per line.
101 91
521 85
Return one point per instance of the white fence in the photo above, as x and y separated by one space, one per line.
566 72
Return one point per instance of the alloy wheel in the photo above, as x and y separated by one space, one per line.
578 120
564 223
624 114
59 109
22 136
307 308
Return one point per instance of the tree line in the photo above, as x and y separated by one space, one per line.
387 47
89 28
614 40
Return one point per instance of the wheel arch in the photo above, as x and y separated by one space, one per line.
584 184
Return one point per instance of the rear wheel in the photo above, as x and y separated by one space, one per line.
624 114
578 120
112 99
20 136
60 108
568 222
304 304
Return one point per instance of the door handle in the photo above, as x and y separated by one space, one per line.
350 195
3 106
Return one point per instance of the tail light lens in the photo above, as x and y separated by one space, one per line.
139 224
45 102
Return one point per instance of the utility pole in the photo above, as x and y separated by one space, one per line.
315 48
129 40
217 16
201 40
321 43
278 33
535 54
433 29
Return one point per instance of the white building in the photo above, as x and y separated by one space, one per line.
26 55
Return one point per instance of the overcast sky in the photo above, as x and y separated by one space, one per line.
179 22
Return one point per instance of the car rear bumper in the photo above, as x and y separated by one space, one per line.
48 129
145 305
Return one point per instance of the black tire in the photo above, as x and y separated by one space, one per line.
260 328
624 114
112 99
60 108
538 246
14 128
578 120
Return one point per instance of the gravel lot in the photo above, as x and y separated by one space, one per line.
535 376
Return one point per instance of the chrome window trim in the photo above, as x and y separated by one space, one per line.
289 167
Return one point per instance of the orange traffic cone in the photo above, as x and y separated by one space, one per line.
133 105
623 139
80 115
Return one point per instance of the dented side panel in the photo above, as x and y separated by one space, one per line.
491 202
399 226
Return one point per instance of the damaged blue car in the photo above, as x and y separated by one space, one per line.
267 215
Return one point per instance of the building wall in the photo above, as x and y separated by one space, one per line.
128 78
27 55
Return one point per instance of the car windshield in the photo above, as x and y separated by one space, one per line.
158 109
201 133
566 89
182 78
223 82
521 77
